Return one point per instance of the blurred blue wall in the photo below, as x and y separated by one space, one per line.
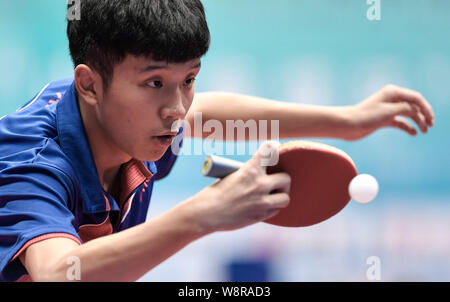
322 52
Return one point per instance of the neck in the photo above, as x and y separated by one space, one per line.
107 156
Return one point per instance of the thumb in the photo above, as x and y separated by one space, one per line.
401 123
267 154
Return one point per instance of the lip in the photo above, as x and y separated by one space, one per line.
168 133
164 141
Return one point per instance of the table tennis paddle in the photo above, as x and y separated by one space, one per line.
320 177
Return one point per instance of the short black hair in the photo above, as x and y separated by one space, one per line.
165 30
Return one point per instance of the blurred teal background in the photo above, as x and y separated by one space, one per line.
321 52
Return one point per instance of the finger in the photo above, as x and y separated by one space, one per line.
412 111
414 97
271 213
402 109
277 200
403 124
279 182
267 155
420 120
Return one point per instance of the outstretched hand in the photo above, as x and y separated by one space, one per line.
388 108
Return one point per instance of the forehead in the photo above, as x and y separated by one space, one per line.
142 65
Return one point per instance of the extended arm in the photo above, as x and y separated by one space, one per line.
385 108
123 256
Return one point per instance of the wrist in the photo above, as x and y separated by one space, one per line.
343 126
192 214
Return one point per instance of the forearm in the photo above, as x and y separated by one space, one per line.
295 120
129 254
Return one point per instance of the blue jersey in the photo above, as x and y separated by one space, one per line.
49 186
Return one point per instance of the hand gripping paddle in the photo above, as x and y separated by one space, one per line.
320 177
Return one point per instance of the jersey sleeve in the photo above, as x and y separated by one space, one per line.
34 205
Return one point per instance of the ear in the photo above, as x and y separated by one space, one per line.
88 84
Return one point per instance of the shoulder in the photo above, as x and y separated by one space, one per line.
33 124
29 142
38 110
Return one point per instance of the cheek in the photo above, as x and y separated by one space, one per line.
188 100
119 123
131 123
130 111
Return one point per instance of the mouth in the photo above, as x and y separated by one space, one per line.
164 140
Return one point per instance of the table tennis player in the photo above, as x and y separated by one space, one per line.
78 161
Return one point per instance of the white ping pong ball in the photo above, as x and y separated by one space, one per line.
363 188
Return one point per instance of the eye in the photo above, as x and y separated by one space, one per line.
189 82
155 84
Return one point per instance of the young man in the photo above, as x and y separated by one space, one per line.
77 163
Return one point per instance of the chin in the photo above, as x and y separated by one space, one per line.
153 155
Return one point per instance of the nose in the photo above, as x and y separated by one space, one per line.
174 108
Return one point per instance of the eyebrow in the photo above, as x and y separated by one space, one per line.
149 68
